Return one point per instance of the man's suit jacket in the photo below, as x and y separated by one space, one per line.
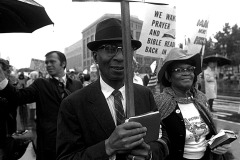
85 122
47 95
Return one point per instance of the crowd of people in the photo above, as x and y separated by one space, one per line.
83 116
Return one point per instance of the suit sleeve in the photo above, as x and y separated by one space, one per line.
160 147
20 96
70 143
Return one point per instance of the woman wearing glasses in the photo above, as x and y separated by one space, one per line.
184 109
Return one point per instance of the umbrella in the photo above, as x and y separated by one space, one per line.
22 16
25 70
221 60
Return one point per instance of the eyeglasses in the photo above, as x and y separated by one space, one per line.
182 70
112 50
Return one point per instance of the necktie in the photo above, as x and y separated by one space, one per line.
61 82
65 92
120 116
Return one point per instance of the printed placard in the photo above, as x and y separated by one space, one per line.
158 31
38 65
197 40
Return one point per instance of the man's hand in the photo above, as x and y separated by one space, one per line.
2 74
222 149
142 152
125 137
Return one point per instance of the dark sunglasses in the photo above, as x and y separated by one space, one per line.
112 49
183 70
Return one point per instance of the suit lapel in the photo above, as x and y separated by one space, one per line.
100 108
55 87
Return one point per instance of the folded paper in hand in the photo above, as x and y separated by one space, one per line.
223 137
151 121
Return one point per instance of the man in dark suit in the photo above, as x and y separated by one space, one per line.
48 94
90 122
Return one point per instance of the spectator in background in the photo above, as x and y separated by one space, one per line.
86 79
80 77
94 73
210 79
22 109
71 73
40 74
32 106
22 80
136 78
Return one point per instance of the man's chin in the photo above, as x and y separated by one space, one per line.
52 74
118 79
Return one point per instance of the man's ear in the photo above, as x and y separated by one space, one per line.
64 65
94 53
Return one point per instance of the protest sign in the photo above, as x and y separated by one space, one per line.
158 31
197 39
38 65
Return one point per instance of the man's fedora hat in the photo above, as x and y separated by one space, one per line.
108 31
178 54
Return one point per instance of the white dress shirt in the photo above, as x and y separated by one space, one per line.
107 92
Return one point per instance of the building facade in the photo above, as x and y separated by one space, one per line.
74 54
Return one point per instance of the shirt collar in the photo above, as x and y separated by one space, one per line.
64 78
107 90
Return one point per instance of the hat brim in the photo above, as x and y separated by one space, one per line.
196 58
94 45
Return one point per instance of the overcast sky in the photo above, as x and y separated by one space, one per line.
70 18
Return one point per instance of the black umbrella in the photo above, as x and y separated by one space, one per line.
221 60
25 70
22 16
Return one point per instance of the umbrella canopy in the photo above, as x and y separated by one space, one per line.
25 70
22 16
221 60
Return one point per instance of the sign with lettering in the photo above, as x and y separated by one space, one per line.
197 39
38 65
158 31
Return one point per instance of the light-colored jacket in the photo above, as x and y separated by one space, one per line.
210 83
